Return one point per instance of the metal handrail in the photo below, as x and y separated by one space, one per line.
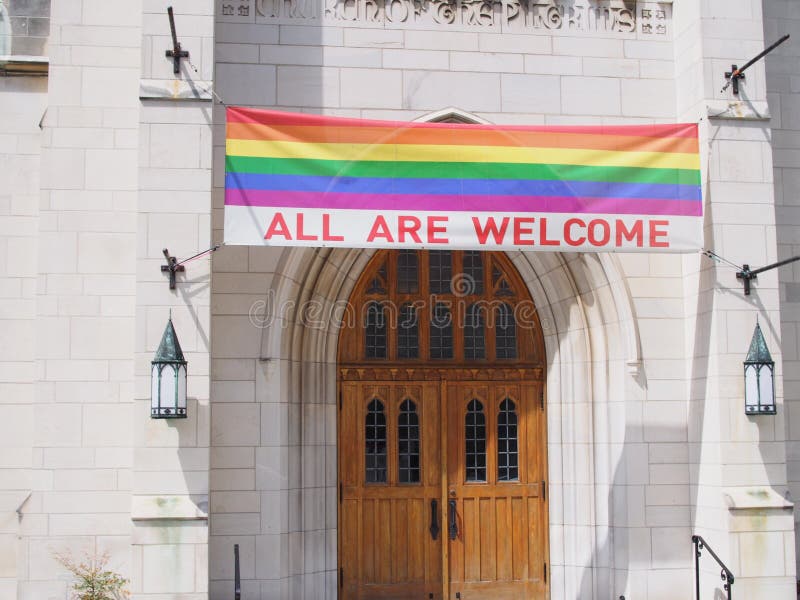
237 583
726 575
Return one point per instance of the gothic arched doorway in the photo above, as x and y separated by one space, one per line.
442 460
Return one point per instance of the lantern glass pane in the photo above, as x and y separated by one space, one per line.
168 387
154 387
182 386
750 385
765 386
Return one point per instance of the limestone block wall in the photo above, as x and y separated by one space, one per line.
783 92
81 436
22 105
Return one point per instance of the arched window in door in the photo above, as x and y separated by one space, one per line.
376 443
475 438
408 467
507 442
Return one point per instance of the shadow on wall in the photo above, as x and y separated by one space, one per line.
638 550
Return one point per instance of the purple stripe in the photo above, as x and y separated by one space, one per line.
458 203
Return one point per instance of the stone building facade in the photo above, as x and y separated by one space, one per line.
108 157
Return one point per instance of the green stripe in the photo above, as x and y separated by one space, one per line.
458 170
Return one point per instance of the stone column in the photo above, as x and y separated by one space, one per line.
737 463
171 460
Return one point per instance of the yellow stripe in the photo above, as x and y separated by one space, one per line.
425 153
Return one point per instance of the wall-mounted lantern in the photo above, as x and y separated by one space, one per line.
759 381
168 378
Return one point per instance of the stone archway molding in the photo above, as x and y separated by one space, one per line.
591 341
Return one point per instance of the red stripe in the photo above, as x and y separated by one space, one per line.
270 117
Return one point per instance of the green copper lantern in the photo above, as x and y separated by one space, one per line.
759 380
168 378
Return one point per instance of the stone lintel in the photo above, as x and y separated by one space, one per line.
175 89
754 498
155 508
738 110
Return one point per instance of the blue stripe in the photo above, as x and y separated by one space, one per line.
467 187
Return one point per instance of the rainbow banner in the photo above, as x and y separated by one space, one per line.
309 180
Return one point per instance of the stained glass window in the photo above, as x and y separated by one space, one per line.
440 273
474 338
473 270
475 435
408 443
408 332
375 443
507 446
375 331
505 328
407 272
441 332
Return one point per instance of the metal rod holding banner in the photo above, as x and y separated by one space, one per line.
176 54
737 73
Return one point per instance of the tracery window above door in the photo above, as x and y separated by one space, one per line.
441 307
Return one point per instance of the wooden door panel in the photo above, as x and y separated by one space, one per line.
385 544
500 551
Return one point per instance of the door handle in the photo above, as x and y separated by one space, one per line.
452 528
434 528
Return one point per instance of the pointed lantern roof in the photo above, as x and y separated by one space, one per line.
169 350
758 353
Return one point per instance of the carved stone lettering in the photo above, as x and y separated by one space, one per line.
397 11
476 12
445 13
511 11
372 11
568 16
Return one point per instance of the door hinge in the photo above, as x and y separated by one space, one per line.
541 398
340 399
545 572
341 577
341 492
544 490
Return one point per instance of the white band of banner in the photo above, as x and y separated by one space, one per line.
549 232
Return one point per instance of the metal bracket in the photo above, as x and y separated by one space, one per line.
747 275
172 267
176 54
733 76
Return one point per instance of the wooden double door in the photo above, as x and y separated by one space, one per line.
442 488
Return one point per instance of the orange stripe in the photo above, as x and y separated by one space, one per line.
458 137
